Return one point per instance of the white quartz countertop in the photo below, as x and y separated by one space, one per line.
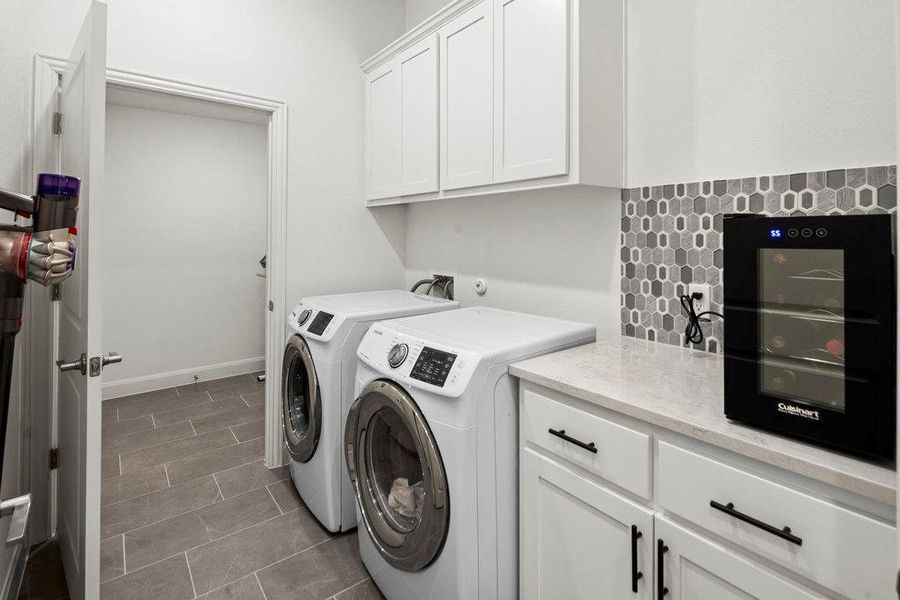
682 390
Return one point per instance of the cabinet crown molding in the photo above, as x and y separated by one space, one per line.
420 31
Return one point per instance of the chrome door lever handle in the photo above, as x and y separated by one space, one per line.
75 365
112 359
19 508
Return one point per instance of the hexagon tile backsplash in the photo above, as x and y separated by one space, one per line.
672 236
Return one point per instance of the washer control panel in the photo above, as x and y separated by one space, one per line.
410 360
433 366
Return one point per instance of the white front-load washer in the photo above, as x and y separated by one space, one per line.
432 450
317 388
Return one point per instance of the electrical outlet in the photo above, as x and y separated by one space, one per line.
701 305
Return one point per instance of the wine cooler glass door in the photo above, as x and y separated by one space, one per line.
801 325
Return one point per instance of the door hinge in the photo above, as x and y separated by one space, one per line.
57 123
54 292
54 458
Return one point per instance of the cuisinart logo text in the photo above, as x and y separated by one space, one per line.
798 412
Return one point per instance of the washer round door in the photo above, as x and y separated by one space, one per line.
300 400
399 477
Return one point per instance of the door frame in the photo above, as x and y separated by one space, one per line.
276 268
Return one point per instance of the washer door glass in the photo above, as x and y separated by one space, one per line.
301 401
399 477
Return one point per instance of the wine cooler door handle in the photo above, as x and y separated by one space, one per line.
635 573
661 589
784 533
561 433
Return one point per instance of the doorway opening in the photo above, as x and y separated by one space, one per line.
174 113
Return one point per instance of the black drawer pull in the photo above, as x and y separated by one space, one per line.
661 589
561 433
784 533
635 574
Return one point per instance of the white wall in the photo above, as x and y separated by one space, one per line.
730 88
304 52
183 228
552 253
419 10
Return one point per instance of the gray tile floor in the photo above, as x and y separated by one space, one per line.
189 509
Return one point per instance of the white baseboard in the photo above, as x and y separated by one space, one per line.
160 381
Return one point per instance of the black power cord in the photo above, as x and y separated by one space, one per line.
693 332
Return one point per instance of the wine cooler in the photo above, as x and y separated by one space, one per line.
810 317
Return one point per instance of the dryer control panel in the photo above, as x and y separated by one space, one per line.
309 320
417 363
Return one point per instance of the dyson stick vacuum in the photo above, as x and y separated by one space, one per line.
43 252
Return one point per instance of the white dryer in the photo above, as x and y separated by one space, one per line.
431 447
317 388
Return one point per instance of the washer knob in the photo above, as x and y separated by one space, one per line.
397 355
303 317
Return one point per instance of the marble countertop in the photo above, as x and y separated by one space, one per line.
682 390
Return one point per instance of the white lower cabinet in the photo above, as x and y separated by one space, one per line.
579 540
691 567
608 510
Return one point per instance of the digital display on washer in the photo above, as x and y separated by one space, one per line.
433 366
319 324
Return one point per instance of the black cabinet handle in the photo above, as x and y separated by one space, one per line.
635 574
561 433
661 589
784 533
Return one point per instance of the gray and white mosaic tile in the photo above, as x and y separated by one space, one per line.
671 236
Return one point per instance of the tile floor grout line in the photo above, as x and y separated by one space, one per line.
132 451
124 562
190 573
194 429
243 464
166 469
363 580
133 529
119 456
209 542
325 541
259 583
272 496
218 487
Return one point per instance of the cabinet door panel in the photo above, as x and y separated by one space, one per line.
383 132
695 568
532 89
418 68
576 536
467 96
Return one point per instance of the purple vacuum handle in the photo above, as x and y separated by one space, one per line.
56 202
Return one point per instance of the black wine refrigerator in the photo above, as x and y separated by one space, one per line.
810 328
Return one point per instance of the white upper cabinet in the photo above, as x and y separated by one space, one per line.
531 82
418 70
526 94
383 132
467 99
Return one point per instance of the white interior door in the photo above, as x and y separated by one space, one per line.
83 106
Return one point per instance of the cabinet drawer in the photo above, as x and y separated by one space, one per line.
842 550
619 454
